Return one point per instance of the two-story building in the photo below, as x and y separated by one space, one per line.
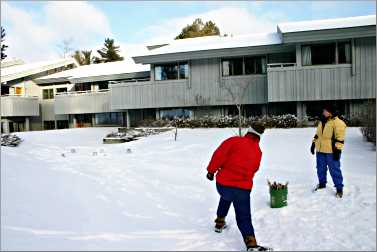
20 95
80 97
291 70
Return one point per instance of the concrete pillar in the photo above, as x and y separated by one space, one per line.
301 110
128 121
74 122
157 114
93 120
264 109
27 124
5 123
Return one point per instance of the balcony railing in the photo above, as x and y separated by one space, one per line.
281 65
309 83
82 92
19 105
82 102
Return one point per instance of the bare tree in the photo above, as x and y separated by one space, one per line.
65 47
237 91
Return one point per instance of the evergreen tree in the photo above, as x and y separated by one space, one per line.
199 29
83 57
88 59
78 57
109 52
3 46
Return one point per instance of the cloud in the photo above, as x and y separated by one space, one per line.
231 20
33 35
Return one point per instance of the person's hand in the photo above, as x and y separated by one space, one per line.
336 154
312 148
210 176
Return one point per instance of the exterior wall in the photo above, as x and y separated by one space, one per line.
82 103
205 87
19 106
327 82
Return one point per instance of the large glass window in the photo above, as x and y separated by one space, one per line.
232 66
236 66
325 54
48 94
173 71
175 113
183 71
47 125
344 52
61 90
111 118
255 65
62 124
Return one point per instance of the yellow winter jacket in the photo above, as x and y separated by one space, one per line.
334 131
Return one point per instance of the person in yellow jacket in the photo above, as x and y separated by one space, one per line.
328 143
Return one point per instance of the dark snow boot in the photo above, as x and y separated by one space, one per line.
319 187
339 193
220 224
251 244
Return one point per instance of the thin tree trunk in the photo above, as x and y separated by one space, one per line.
239 120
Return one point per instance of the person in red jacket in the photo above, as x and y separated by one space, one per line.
235 162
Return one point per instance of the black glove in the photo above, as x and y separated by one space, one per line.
210 176
336 154
312 148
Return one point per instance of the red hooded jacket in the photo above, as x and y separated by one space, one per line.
236 161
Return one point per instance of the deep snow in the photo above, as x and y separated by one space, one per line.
157 196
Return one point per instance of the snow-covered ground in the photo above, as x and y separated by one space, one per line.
157 196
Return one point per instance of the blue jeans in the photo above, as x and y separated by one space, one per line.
241 202
325 160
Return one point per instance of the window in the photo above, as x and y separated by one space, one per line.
48 94
62 124
325 54
255 65
344 52
18 91
61 90
111 118
4 90
83 87
232 66
236 66
172 71
175 113
47 125
183 71
103 85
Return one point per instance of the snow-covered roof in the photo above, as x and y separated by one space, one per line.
23 70
215 42
324 24
103 69
11 62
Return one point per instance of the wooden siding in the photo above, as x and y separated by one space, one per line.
327 82
82 103
205 87
19 106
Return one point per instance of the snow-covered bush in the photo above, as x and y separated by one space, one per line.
282 121
369 122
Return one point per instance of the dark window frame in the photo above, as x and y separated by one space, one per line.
336 52
254 57
49 95
58 90
177 66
